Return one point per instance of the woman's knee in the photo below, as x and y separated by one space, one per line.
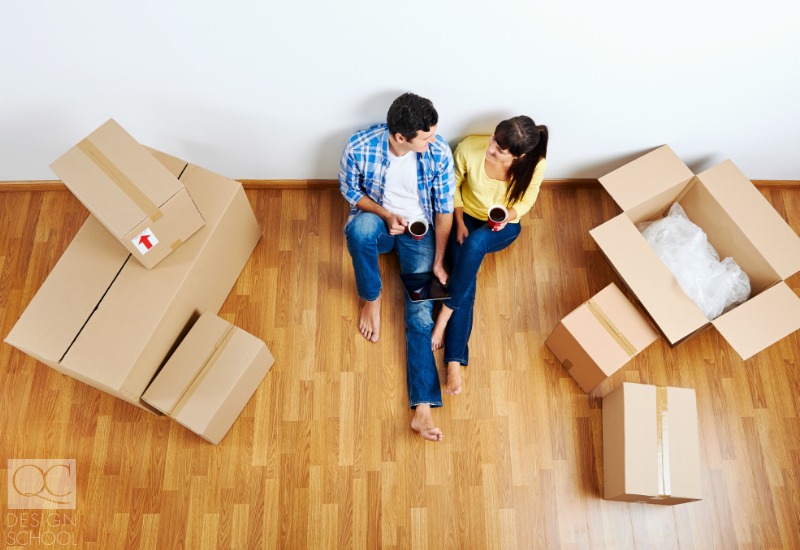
476 243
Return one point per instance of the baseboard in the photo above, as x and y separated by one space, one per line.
564 183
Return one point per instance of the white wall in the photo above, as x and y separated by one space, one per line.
272 89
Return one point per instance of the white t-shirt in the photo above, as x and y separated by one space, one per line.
401 194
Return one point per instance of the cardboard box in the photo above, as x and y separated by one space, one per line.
739 223
133 195
104 319
600 337
651 448
210 377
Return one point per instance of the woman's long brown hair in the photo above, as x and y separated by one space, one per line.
526 141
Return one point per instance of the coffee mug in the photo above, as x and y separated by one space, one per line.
418 228
497 216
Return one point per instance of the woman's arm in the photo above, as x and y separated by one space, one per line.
461 229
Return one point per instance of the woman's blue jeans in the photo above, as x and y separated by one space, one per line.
367 236
465 260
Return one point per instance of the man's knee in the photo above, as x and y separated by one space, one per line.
419 317
366 226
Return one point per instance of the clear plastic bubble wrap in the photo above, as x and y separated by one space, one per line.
715 286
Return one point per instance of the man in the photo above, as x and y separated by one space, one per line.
391 174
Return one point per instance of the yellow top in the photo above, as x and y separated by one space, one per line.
476 192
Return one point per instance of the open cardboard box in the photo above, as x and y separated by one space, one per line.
739 223
103 318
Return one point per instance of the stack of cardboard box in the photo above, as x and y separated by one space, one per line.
649 432
165 242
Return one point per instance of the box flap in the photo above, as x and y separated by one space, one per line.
761 321
116 178
648 278
613 445
681 440
753 213
70 294
216 397
640 439
646 177
239 396
624 319
199 346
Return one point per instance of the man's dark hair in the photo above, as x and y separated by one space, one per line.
410 114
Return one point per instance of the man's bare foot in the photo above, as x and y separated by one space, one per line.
453 378
369 324
422 423
437 335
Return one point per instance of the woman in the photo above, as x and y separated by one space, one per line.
506 168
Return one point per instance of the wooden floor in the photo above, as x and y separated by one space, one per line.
323 456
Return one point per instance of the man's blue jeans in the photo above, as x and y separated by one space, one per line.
466 259
367 236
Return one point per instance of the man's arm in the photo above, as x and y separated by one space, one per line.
444 222
395 222
349 177
443 191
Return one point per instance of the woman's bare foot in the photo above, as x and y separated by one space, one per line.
369 324
437 335
422 423
453 378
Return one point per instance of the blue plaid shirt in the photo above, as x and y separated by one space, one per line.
362 172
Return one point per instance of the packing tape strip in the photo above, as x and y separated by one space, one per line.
662 427
612 330
176 244
204 369
120 179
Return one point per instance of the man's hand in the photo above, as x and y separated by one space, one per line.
440 272
396 223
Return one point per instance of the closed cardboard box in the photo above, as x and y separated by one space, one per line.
143 204
739 223
600 337
210 377
651 448
102 318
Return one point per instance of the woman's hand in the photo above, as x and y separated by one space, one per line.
512 215
440 272
461 232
